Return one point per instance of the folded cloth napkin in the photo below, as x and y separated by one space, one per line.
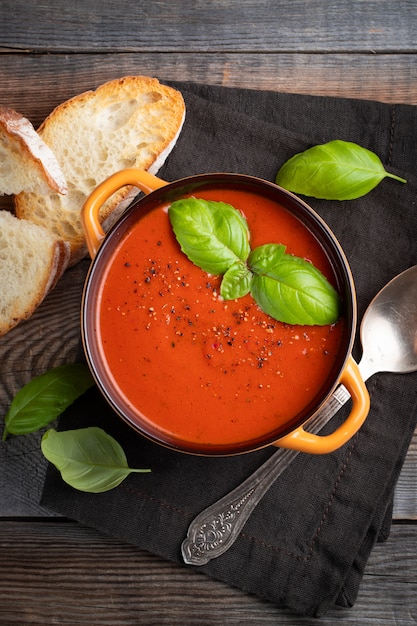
307 542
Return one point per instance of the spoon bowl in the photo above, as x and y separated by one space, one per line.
389 328
389 339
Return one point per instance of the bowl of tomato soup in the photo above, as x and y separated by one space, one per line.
196 372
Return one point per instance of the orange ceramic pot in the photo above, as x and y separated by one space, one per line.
134 358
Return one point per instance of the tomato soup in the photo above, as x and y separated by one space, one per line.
201 371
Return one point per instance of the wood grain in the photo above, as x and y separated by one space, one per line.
387 78
210 25
61 572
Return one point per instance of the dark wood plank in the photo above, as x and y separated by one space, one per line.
213 26
65 573
35 84
405 501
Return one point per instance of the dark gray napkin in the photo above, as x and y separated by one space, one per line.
307 543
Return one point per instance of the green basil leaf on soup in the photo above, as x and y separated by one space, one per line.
88 458
45 397
338 170
213 235
293 291
264 258
236 282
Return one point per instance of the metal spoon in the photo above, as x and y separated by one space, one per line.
389 339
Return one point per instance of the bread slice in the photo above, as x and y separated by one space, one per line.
130 122
31 262
26 162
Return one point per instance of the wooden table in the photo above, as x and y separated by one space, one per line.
54 571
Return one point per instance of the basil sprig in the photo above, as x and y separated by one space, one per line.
337 170
215 237
88 458
45 397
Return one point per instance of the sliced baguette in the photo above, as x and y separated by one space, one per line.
130 122
26 162
31 262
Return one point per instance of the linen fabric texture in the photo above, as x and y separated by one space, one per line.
306 544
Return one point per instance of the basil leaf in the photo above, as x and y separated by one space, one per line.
88 458
45 397
236 282
264 258
213 235
338 170
292 290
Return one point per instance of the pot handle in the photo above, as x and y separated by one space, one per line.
303 441
93 230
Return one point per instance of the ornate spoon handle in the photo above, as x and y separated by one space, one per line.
215 529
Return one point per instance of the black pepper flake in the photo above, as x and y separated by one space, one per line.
127 264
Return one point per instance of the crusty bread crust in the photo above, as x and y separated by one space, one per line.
26 162
31 262
130 122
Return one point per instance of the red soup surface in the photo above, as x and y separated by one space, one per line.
207 371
